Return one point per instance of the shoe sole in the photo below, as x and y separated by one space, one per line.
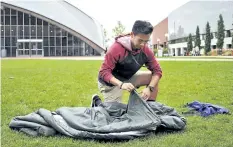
92 99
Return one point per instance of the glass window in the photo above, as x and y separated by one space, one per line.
64 33
13 12
45 23
26 45
2 20
76 51
52 40
52 51
64 41
7 41
2 41
39 31
7 20
7 11
13 51
45 30
51 30
20 18
58 41
26 19
64 51
26 31
70 51
70 40
39 45
46 41
58 31
20 45
20 31
7 30
33 30
39 21
46 51
77 42
33 20
13 31
81 51
13 41
33 45
58 51
228 33
8 51
2 30
13 20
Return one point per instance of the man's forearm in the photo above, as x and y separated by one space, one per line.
154 80
115 81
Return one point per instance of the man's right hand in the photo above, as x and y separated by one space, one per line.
127 86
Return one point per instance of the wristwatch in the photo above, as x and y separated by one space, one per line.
152 89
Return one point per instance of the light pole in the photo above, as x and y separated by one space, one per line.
166 36
158 46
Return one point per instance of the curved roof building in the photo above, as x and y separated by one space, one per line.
48 28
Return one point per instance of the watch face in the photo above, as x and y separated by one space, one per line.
151 88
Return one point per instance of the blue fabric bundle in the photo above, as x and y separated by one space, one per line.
206 109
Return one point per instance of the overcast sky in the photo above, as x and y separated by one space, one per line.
108 12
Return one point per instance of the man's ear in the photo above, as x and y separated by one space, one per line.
132 35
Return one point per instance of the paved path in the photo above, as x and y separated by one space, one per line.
229 58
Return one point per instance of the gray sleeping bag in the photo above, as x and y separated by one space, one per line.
109 121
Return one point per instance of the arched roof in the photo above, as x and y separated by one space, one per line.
66 14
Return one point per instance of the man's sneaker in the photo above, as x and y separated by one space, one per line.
95 100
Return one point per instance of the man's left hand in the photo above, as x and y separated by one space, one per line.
146 93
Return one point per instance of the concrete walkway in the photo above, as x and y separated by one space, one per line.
195 58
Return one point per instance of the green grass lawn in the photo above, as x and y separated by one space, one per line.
28 85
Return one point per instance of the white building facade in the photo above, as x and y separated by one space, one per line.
186 18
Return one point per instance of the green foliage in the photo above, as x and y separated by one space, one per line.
106 38
220 32
165 50
197 38
208 39
189 43
119 29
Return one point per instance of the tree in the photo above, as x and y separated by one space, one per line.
190 43
220 33
197 38
106 39
208 38
119 29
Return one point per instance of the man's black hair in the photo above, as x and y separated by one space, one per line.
142 27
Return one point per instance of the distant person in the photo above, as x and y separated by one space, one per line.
87 53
